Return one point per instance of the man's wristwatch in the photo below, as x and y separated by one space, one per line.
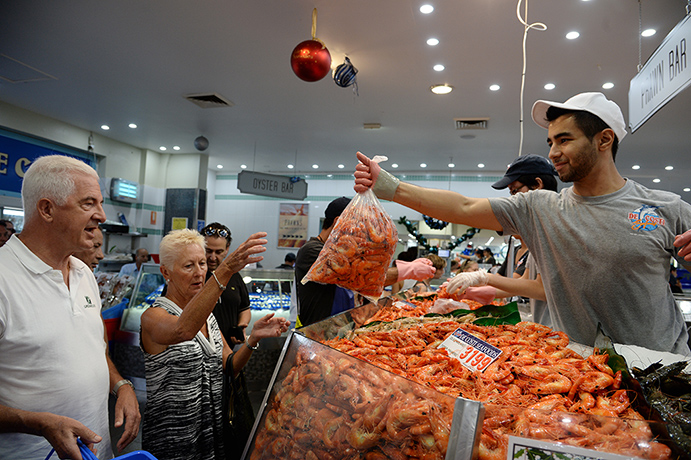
119 384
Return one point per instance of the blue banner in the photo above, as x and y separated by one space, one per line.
18 151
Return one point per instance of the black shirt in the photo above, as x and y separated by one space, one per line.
315 300
233 300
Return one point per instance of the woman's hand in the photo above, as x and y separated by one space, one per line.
269 326
245 253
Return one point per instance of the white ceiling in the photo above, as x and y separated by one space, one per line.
117 62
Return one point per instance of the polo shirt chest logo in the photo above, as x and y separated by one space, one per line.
88 303
646 219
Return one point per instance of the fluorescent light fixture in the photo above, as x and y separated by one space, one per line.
494 87
550 86
608 85
441 89
426 9
105 127
573 35
432 41
648 33
438 67
132 125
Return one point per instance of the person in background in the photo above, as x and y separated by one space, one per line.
9 225
469 266
476 255
316 301
232 310
92 256
488 257
423 286
628 295
140 256
288 262
525 173
185 353
55 373
5 234
674 283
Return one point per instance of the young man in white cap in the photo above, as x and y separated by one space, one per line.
603 245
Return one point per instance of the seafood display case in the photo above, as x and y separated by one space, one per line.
325 403
269 289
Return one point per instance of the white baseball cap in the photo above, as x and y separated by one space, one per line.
595 103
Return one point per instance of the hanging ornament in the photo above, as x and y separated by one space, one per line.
311 61
345 75
435 249
436 224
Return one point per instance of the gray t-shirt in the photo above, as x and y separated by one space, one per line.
537 307
605 259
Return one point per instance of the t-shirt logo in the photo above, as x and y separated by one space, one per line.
88 303
645 219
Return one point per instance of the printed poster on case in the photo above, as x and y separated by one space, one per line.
292 225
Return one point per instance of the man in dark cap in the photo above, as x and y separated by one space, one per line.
317 301
288 262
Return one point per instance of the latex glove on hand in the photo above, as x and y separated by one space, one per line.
419 269
683 241
484 294
368 174
464 280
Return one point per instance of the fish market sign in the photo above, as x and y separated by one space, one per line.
272 185
664 76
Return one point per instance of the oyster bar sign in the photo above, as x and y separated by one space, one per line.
272 185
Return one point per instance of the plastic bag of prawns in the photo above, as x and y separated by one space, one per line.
358 252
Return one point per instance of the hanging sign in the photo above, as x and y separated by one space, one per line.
292 225
271 185
664 76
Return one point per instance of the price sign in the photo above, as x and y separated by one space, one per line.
474 353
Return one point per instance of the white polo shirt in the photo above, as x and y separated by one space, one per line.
52 350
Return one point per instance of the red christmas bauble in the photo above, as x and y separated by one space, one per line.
311 61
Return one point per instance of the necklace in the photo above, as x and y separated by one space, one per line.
319 237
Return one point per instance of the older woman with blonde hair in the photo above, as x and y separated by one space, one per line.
185 352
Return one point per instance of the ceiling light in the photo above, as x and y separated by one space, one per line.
441 89
162 149
341 166
550 86
648 33
669 168
132 125
432 41
494 88
423 165
394 165
573 35
243 166
656 180
105 127
438 67
481 165
315 166
452 165
687 189
426 9
635 167
608 85
219 166
290 166
176 147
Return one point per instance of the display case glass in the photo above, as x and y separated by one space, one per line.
148 286
269 289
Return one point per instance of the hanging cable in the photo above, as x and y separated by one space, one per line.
526 28
640 32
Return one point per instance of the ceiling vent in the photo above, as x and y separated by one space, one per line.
209 100
371 125
472 123
15 71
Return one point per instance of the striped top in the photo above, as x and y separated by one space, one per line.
184 386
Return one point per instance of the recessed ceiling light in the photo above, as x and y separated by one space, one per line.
635 167
494 88
341 166
452 165
687 189
394 165
162 149
656 180
243 166
550 86
315 166
176 147
438 67
441 89
573 35
426 9
132 125
648 32
608 85
219 166
423 165
290 166
481 165
432 41
105 127
669 168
